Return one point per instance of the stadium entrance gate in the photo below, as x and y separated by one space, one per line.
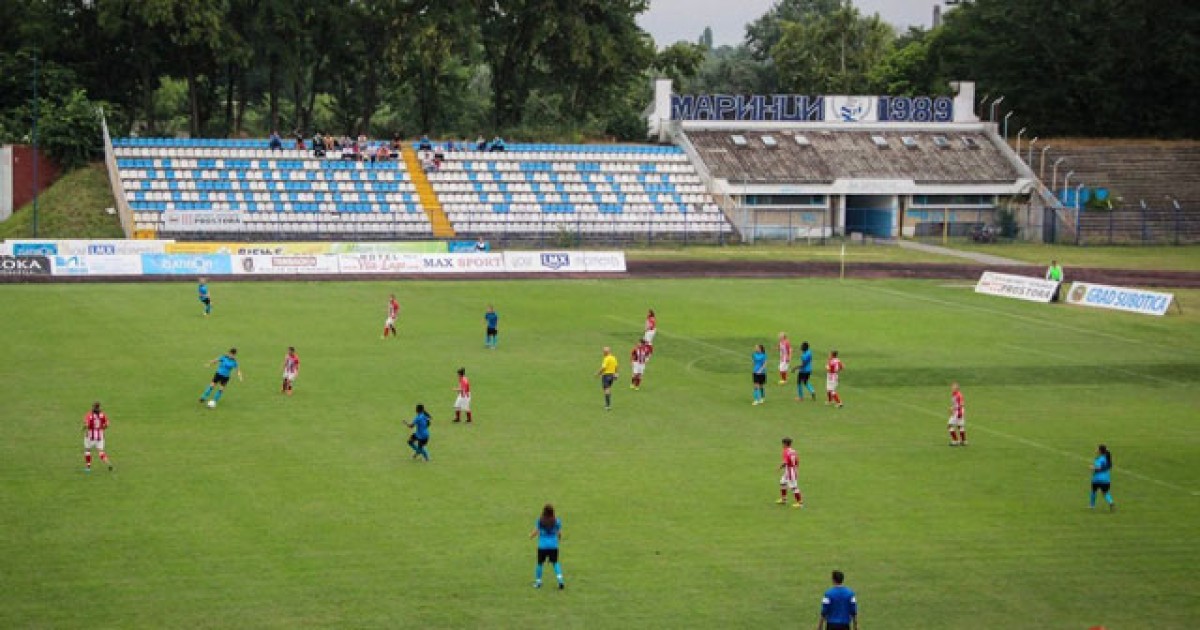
871 215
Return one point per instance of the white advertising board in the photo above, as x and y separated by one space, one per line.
379 263
543 262
1120 298
1018 287
603 261
201 221
258 264
83 247
111 265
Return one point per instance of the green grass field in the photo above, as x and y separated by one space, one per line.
307 511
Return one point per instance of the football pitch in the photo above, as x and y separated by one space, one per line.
307 511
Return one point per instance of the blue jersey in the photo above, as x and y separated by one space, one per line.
202 289
421 426
806 362
548 538
760 362
839 605
1102 469
226 365
491 318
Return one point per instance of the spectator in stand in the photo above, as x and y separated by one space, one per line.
497 144
382 154
330 143
362 143
450 148
397 142
481 144
300 142
318 144
424 144
439 154
348 151
275 143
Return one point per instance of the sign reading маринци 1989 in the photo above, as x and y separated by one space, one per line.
805 108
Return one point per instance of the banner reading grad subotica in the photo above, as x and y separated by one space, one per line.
306 248
1120 298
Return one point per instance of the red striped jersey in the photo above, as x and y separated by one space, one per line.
464 386
291 363
393 308
95 422
956 403
785 350
790 460
641 353
834 365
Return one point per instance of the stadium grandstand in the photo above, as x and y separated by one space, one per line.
812 167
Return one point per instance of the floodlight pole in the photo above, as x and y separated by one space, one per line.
1019 134
1006 117
1042 168
1029 160
999 99
1054 179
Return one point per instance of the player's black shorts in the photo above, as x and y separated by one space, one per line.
205 300
547 554
413 439
759 379
606 380
491 332
804 376
1102 487
838 626
219 379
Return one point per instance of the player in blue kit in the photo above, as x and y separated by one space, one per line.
548 531
226 365
839 606
804 373
420 434
205 299
759 358
1102 477
489 340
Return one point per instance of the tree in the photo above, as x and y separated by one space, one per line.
679 62
831 53
764 33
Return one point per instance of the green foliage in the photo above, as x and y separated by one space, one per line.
70 131
680 61
831 53
763 34
1006 221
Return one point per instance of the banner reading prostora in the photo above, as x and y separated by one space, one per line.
1019 287
1120 298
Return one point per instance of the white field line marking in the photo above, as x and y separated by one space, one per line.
996 432
1025 318
1112 368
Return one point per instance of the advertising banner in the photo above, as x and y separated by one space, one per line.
84 247
285 265
31 248
25 266
186 265
538 262
1018 287
603 261
1120 298
298 248
201 221
114 265
379 263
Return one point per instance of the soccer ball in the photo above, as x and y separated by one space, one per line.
212 404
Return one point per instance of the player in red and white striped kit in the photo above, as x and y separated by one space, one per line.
94 424
833 369
958 423
638 358
785 357
651 328
291 369
389 326
463 401
791 461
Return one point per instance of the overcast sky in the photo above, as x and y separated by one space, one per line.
672 20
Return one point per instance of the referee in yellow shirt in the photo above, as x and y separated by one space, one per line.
608 374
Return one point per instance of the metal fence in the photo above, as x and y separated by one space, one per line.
1138 227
